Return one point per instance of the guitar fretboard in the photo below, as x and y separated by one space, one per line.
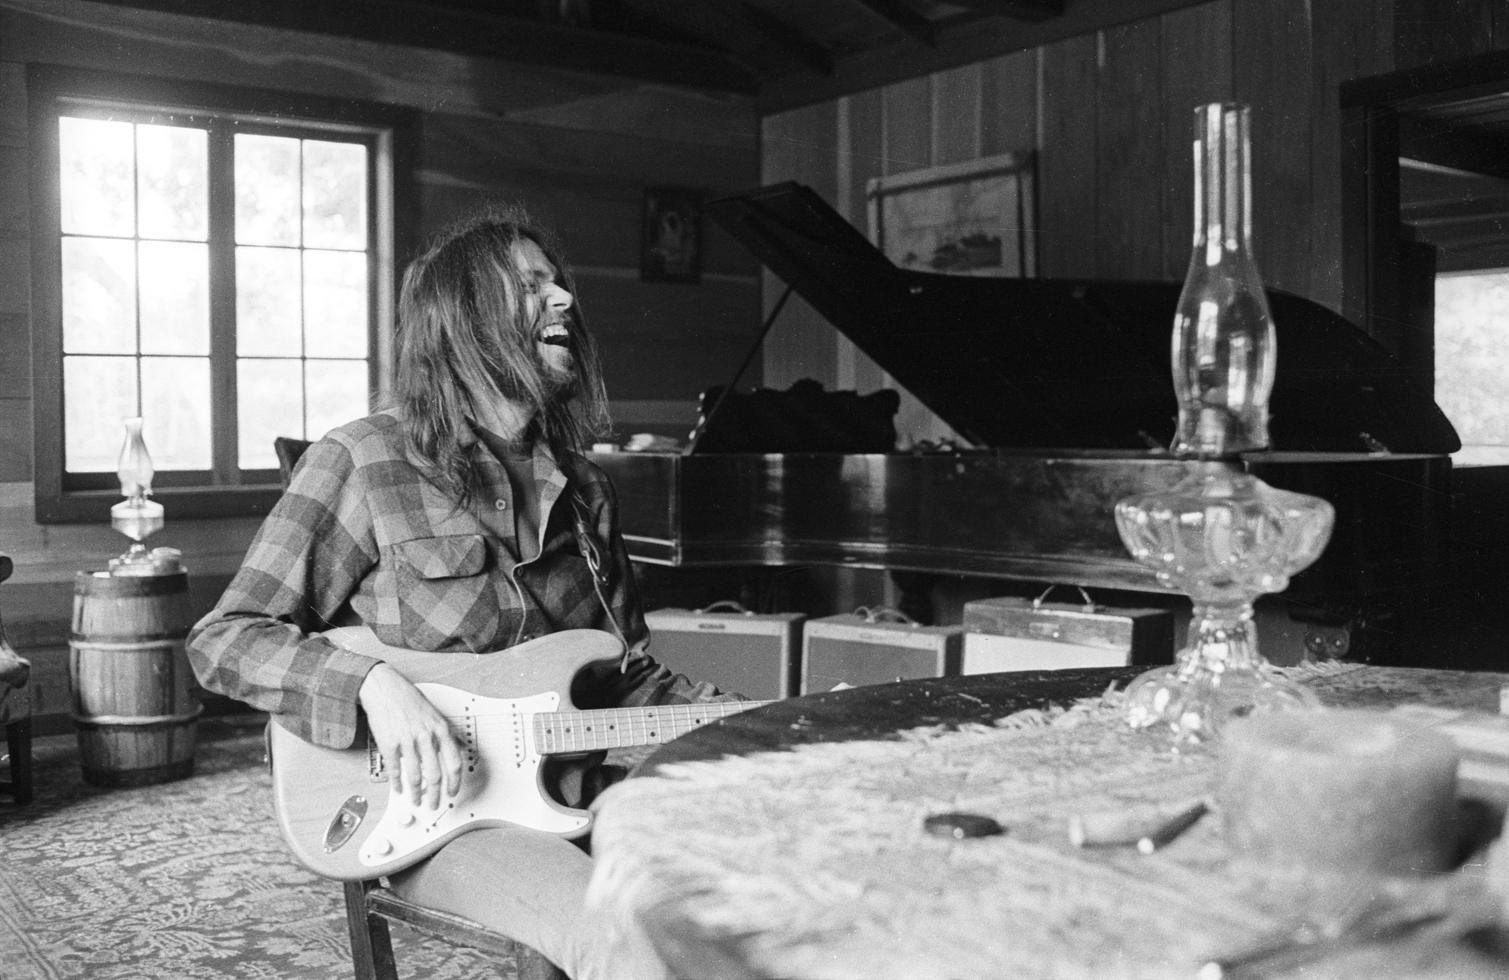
607 728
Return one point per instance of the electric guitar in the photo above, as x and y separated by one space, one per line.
337 810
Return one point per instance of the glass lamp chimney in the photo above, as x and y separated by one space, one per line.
1223 347
135 464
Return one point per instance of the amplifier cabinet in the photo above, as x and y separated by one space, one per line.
1011 633
854 650
757 655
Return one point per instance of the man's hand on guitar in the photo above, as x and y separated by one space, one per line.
412 735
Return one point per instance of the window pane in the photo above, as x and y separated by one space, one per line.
337 394
96 178
175 297
98 392
335 304
1472 361
173 190
175 404
335 195
267 190
267 301
99 296
271 402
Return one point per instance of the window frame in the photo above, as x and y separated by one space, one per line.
388 131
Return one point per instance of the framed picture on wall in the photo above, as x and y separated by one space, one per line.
970 219
671 237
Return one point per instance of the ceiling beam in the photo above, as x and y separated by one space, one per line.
904 19
796 44
961 40
480 33
1017 9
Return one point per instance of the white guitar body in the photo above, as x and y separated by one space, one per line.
336 807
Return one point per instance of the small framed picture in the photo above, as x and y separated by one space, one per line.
671 240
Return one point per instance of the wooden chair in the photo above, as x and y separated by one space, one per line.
289 450
370 906
15 711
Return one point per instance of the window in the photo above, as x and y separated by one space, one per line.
211 262
1472 362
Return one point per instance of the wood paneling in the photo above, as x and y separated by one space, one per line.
1067 158
1273 76
1196 70
1433 31
15 281
1130 165
1008 103
1351 40
538 155
908 125
957 96
866 128
964 42
15 441
800 145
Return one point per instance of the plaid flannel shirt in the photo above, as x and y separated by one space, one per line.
361 536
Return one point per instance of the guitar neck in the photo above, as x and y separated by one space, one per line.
608 728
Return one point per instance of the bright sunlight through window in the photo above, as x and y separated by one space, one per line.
216 280
1472 362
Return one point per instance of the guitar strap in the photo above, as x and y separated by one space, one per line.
593 556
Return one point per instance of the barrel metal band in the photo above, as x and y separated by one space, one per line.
139 720
133 644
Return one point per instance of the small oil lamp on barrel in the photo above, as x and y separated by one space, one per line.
138 517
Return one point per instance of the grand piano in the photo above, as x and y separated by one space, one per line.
1063 388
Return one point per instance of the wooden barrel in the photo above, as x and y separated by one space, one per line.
135 703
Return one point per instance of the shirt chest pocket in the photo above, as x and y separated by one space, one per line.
446 599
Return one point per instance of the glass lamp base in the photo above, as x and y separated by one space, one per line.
1224 538
1192 699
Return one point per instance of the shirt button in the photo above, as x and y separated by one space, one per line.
500 503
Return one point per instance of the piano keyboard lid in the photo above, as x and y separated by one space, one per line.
1070 364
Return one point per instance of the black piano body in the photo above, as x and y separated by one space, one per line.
1066 386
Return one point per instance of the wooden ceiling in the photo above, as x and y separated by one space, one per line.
783 52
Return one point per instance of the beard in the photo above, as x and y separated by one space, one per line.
555 365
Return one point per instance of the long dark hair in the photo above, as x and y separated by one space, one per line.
461 329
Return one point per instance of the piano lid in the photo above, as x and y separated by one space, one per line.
1058 363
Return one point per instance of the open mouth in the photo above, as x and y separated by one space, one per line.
554 334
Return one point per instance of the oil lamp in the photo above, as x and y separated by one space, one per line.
137 516
1220 535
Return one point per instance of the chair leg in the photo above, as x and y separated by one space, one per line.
18 744
371 945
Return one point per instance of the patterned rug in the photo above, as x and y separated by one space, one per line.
177 881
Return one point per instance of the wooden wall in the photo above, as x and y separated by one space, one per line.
1109 116
578 150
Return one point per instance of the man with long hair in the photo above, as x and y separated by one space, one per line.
462 518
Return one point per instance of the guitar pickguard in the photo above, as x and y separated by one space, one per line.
499 781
